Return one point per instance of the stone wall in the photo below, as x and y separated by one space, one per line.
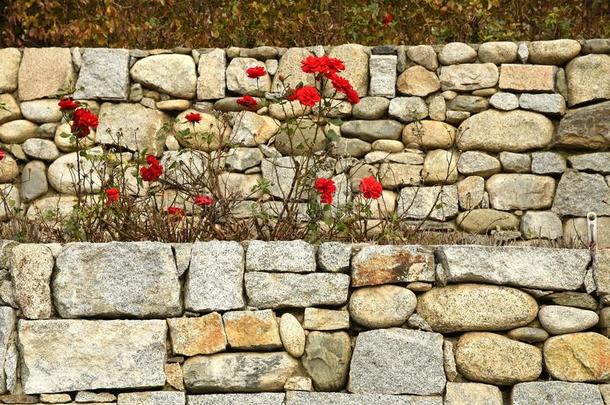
218 322
524 125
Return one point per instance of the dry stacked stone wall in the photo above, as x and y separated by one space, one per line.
220 322
524 126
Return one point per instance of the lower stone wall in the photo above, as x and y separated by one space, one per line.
218 322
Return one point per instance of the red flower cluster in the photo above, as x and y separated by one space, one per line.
342 85
204 201
66 104
387 19
153 171
2 154
256 72
193 117
307 95
175 211
248 102
83 120
322 64
112 195
326 188
370 188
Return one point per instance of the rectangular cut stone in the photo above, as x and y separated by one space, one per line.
239 372
211 80
397 361
294 256
279 290
214 281
325 319
527 77
340 398
374 265
197 335
117 279
45 72
556 392
601 271
7 328
31 270
73 355
104 75
266 398
252 330
152 398
382 69
468 76
540 268
9 68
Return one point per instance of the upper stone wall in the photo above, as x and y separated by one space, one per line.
523 126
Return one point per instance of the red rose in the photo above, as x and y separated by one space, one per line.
326 188
352 96
2 154
175 211
112 195
204 201
153 171
256 72
248 102
387 19
307 95
193 117
322 64
370 188
342 85
67 104
83 121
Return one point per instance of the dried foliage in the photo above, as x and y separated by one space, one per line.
214 23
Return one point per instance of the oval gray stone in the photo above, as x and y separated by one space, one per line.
558 319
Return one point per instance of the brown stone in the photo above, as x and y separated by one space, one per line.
418 81
578 357
325 319
375 265
45 72
203 335
173 376
252 330
527 77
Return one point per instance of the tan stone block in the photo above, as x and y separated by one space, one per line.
252 330
202 335
527 77
325 319
45 72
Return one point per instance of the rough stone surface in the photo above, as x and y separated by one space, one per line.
117 279
418 81
9 68
579 193
468 77
498 52
215 277
478 164
66 355
383 75
558 319
33 181
252 129
541 224
41 111
594 162
440 167
543 103
499 131
327 359
272 290
241 372
334 256
172 74
515 162
408 109
528 334
471 192
211 75
485 220
252 330
290 69
132 126
456 52
397 361
548 163
42 149
45 72
374 265
325 319
292 335
429 134
201 335
555 393
541 268
152 398
527 78
472 393
382 307
585 127
520 191
231 399
504 101
436 202
17 131
31 267
588 78
291 256
11 110
371 131
555 52
578 357
496 359
371 108
320 398
474 307
356 63
104 75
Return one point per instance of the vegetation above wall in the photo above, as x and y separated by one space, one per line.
214 23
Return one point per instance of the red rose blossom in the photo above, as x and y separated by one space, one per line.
342 85
387 19
2 154
204 201
248 102
83 121
326 188
352 96
153 171
67 104
370 188
193 117
307 95
112 195
175 211
256 72
322 64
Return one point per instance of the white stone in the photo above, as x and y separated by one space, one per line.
239 82
456 52
42 149
104 75
383 75
170 73
541 224
211 80
559 320
544 103
504 101
41 111
436 202
9 67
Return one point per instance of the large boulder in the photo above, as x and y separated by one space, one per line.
137 279
498 131
173 74
474 307
74 355
588 79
